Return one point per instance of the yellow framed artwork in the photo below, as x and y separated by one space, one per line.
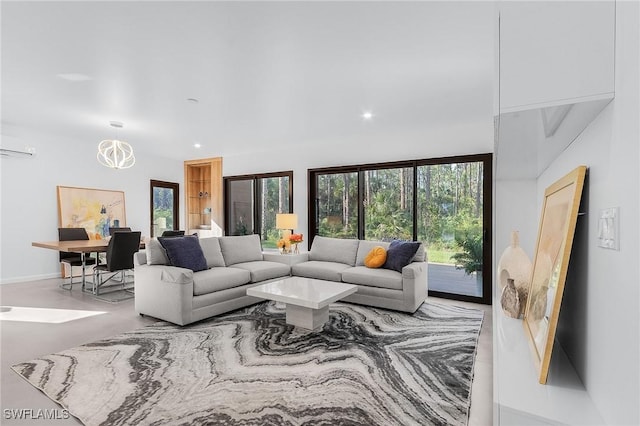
96 210
553 249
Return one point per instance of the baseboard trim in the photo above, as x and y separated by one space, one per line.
27 278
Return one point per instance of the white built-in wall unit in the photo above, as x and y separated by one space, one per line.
568 96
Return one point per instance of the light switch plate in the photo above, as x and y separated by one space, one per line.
609 228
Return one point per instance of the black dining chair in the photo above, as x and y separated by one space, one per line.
120 250
119 229
74 259
172 233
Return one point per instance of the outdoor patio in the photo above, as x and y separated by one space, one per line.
448 279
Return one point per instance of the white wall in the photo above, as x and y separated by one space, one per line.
515 210
470 138
29 202
29 210
599 326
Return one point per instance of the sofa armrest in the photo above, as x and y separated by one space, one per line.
164 292
415 284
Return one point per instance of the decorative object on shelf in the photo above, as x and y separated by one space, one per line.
296 239
115 153
514 264
286 222
555 239
510 300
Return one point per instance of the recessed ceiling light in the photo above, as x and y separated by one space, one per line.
193 100
74 77
197 145
367 115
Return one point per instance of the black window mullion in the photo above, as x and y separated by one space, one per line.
257 207
414 211
361 183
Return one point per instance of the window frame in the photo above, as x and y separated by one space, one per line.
153 183
255 177
487 208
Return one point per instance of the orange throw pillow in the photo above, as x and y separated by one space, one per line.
376 257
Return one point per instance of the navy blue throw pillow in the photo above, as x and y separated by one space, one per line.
400 254
184 252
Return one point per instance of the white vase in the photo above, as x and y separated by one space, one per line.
515 264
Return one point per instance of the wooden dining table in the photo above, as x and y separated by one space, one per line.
77 246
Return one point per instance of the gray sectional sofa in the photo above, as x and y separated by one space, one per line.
342 260
182 296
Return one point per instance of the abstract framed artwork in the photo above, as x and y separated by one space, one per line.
96 210
553 249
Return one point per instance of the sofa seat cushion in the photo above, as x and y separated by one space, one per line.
216 279
334 250
330 271
383 278
264 270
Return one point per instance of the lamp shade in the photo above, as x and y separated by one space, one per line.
286 221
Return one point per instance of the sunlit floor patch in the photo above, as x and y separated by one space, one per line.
46 315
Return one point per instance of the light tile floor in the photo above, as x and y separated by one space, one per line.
21 341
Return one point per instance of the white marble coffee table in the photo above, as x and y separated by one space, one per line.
307 300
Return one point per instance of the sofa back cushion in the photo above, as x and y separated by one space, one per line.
338 250
244 248
212 251
365 247
421 254
156 254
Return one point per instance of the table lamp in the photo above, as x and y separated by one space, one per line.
286 222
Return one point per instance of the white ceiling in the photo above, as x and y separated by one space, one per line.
264 73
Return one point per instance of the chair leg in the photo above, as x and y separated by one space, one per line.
68 286
97 281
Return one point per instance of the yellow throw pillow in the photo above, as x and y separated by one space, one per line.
376 257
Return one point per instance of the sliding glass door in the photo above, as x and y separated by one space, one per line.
450 219
336 205
240 207
388 204
444 202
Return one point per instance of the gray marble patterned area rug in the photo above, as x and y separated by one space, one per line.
367 366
